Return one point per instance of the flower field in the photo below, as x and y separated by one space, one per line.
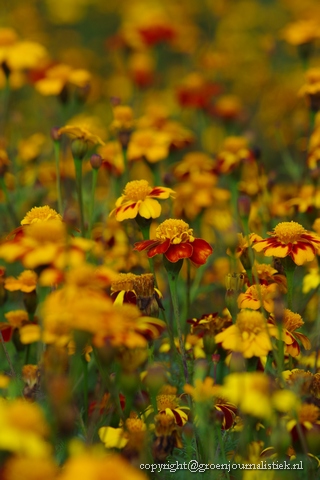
159 240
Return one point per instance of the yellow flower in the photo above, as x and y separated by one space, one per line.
131 436
251 392
58 76
23 428
80 133
291 322
26 282
249 335
153 145
290 239
18 467
203 391
93 466
138 198
257 296
40 214
301 32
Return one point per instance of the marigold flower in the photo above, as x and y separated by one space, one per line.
138 198
40 214
56 77
153 145
291 322
131 435
290 239
175 240
301 32
80 133
249 335
26 282
168 403
168 436
257 296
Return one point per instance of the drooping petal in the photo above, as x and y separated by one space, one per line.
178 252
160 247
127 210
145 244
201 251
302 253
161 192
150 208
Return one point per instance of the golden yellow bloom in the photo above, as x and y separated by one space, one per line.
16 318
23 428
40 214
258 296
203 391
94 466
290 239
18 467
58 76
251 392
301 32
249 335
153 145
138 198
123 118
291 322
80 133
25 282
131 435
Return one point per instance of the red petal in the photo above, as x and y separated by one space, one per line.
179 251
144 244
160 248
201 251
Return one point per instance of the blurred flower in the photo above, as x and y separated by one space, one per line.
250 335
56 77
311 89
233 151
291 322
258 296
80 133
131 436
175 240
23 466
112 157
153 145
169 404
138 199
167 436
197 92
25 282
290 238
301 32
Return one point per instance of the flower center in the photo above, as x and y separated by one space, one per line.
288 232
135 425
137 190
292 321
177 231
166 401
250 322
258 292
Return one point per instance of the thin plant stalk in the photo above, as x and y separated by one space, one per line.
58 181
78 168
93 191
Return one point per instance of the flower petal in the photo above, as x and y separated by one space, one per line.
159 248
179 251
150 208
201 251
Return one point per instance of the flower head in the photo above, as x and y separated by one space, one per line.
249 335
138 198
40 214
290 239
175 240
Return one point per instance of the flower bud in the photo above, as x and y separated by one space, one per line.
79 148
95 161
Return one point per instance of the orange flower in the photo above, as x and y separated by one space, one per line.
291 322
290 239
175 240
257 296
138 199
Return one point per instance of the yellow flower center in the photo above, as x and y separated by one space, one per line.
308 413
177 231
250 322
288 232
124 281
40 214
137 190
166 401
292 321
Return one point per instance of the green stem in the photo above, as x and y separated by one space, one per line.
10 207
78 167
125 176
93 190
58 184
290 269
13 374
85 388
172 277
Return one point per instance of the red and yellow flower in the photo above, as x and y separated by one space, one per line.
175 240
291 322
257 296
290 239
138 198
